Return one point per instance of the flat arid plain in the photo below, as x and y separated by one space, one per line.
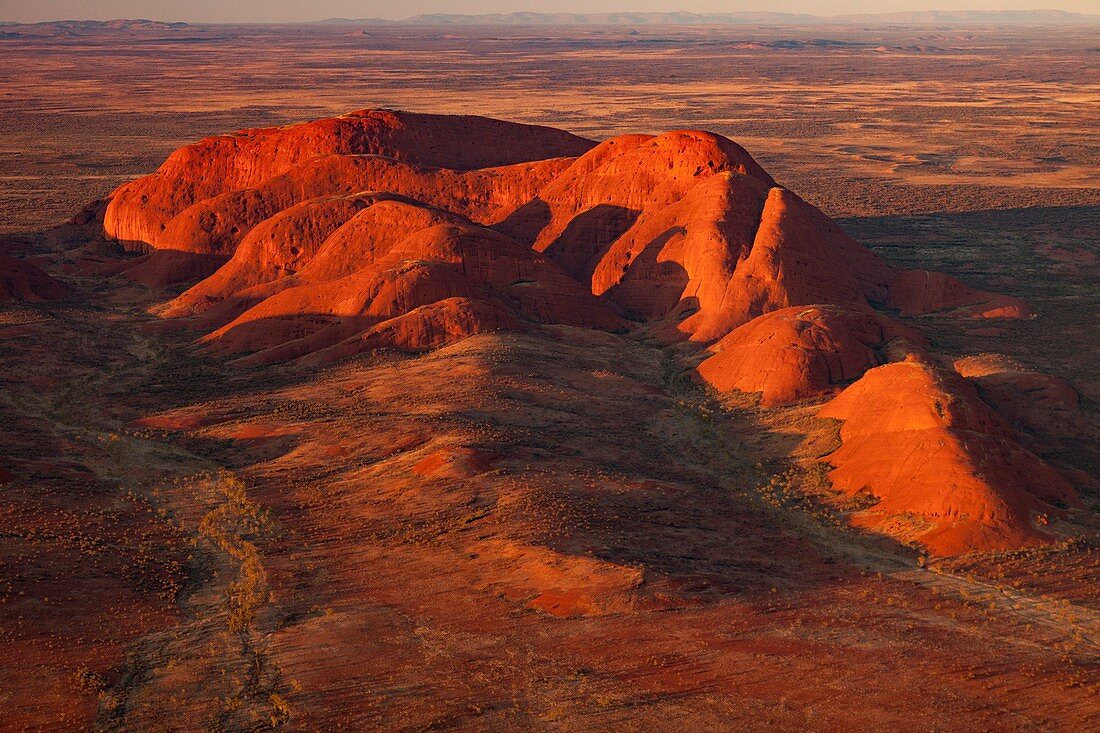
578 497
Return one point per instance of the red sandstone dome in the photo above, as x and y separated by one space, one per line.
945 468
1014 388
916 292
1044 409
802 352
140 211
419 257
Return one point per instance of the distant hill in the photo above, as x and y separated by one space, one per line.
993 17
85 27
956 17
678 18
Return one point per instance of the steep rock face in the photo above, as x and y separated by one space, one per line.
22 281
215 225
284 244
196 241
798 257
652 225
919 439
140 211
594 201
678 259
802 352
1014 389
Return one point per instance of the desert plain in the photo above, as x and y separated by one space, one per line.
560 526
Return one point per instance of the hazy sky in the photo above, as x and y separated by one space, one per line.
286 10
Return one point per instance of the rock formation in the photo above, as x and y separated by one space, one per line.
139 212
387 230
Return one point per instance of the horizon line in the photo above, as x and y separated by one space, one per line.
623 17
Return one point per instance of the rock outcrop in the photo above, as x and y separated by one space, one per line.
378 280
681 234
140 211
945 469
802 352
1045 410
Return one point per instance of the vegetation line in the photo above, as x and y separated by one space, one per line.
233 526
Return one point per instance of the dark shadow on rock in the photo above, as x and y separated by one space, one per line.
525 223
165 267
587 236
650 289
